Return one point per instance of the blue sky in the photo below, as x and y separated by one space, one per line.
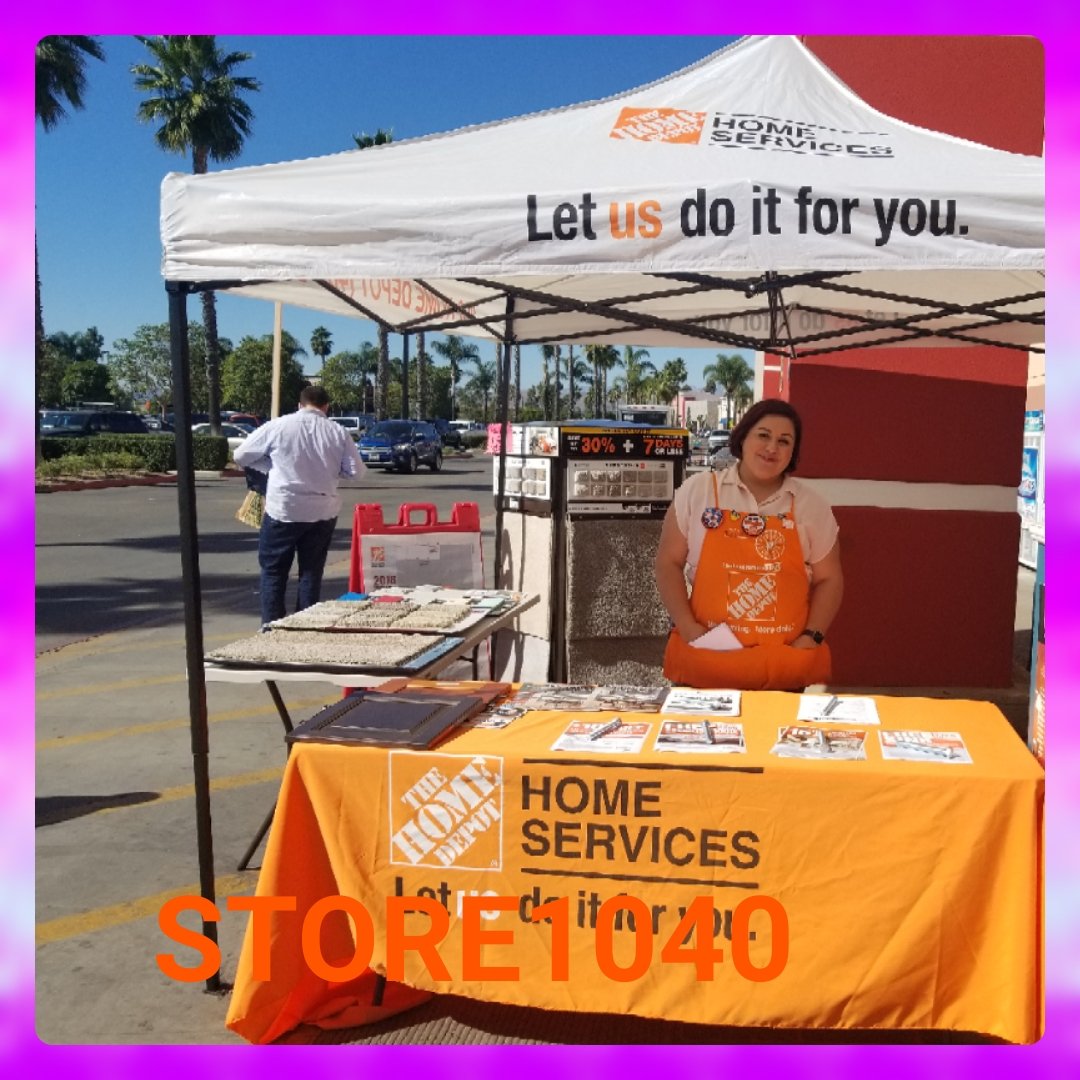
98 172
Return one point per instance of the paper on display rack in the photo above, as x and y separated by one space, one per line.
823 744
814 709
700 737
488 601
603 737
940 746
684 700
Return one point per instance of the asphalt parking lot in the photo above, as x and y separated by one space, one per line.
115 823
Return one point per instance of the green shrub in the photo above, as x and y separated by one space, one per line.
157 452
113 461
60 446
210 452
65 465
473 440
91 464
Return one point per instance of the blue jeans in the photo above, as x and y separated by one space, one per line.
278 542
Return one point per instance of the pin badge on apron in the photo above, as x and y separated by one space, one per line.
753 525
770 545
712 517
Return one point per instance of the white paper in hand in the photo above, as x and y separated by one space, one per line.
718 639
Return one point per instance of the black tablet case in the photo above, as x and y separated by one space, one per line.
410 720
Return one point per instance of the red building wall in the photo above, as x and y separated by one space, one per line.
919 448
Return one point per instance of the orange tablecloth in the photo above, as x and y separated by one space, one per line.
912 891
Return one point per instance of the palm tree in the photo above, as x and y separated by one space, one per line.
196 99
517 382
618 391
421 376
731 372
60 79
483 382
382 377
603 358
574 370
558 382
367 364
670 379
637 367
583 376
321 343
455 350
744 398
364 140
547 354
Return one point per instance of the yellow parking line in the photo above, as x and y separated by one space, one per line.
169 725
104 918
108 688
187 791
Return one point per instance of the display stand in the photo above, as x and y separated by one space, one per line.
416 552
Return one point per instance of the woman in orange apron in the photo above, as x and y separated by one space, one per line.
753 570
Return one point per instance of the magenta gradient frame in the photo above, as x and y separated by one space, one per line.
1058 1054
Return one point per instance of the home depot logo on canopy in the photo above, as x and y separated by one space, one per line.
446 810
748 130
659 125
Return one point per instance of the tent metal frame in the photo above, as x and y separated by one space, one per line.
513 331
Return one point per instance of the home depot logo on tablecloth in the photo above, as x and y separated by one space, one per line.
446 810
659 125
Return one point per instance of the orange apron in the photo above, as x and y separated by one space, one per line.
752 576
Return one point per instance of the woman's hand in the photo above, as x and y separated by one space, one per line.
804 641
691 630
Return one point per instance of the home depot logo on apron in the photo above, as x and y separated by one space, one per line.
751 575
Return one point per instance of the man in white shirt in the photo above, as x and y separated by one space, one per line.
306 454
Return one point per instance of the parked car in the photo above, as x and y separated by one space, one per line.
245 419
401 444
196 418
232 432
355 425
718 439
155 423
78 422
450 435
722 458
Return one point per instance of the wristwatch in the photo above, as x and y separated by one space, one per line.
817 635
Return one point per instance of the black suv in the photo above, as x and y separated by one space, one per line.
76 422
401 444
450 435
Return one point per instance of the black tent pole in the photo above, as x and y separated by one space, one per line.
504 433
189 566
405 378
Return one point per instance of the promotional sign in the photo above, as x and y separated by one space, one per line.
757 159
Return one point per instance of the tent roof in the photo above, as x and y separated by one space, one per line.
770 204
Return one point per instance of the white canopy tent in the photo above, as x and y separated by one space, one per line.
751 200
695 210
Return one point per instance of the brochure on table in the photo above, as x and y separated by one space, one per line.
703 702
938 746
819 709
823 744
700 737
603 737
